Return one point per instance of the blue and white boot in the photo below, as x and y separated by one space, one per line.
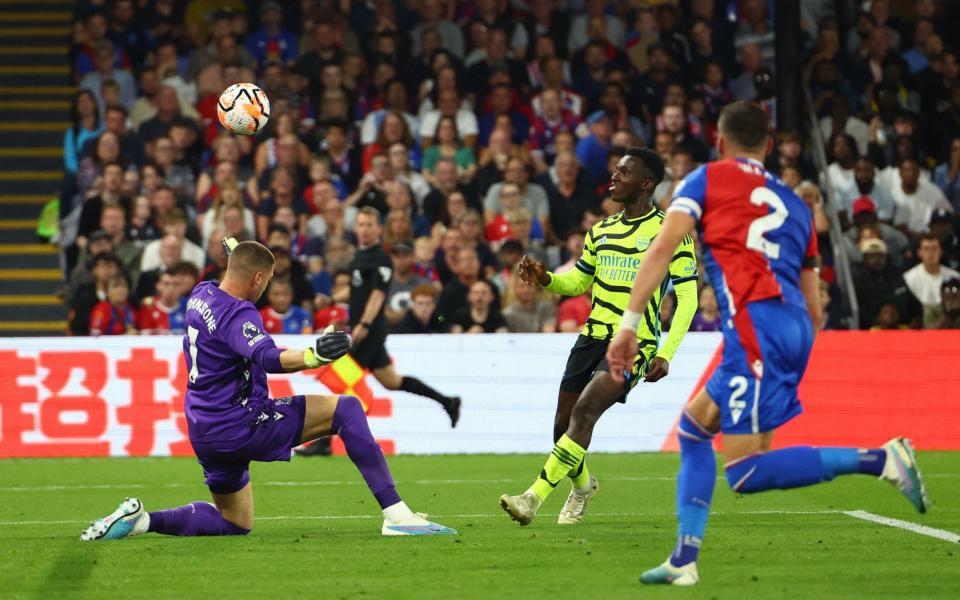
901 470
415 524
129 519
668 574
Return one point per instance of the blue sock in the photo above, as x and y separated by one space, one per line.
695 483
842 461
799 466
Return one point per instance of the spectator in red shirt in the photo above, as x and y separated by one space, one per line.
164 313
115 315
393 129
572 313
337 315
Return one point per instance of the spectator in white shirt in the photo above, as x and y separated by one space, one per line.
448 104
395 99
924 280
864 184
104 63
843 149
917 198
174 224
841 121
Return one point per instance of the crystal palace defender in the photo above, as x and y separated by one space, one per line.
760 251
231 421
370 272
612 250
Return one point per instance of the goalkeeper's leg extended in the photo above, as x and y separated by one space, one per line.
228 479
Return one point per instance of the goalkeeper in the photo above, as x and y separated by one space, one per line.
613 251
231 420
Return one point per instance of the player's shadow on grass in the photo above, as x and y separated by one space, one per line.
69 572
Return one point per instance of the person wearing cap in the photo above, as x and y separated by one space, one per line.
404 280
98 243
864 185
593 148
271 43
865 216
924 279
878 283
103 267
950 305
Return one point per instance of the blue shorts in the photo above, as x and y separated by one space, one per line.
275 431
764 357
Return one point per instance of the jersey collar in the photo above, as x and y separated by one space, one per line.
643 217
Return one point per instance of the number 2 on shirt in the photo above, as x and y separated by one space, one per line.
192 333
755 241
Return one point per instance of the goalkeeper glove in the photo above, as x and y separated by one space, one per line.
331 345
228 244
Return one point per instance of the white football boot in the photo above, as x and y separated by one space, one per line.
576 504
522 508
129 519
415 524
671 575
901 470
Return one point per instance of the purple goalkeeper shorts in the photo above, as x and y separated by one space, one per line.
274 430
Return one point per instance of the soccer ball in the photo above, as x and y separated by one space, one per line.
243 109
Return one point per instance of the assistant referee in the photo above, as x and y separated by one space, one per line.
370 272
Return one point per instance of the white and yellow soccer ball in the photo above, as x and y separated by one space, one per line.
243 109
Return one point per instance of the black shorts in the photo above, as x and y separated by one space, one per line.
587 357
371 353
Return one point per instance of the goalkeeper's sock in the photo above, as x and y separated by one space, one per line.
350 423
413 385
194 519
581 477
695 483
566 456
800 466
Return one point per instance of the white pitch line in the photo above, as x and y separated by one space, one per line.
318 482
940 534
477 516
329 482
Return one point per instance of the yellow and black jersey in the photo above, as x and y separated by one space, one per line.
612 253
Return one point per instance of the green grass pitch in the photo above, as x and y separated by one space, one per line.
317 534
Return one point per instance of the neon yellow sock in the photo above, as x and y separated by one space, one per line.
581 476
566 456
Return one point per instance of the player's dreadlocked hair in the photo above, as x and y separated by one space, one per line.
251 257
650 159
745 124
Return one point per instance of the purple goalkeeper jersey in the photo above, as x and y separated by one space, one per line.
228 356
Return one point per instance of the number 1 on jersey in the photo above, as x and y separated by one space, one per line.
192 333
755 240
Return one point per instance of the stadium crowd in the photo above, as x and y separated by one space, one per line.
482 131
